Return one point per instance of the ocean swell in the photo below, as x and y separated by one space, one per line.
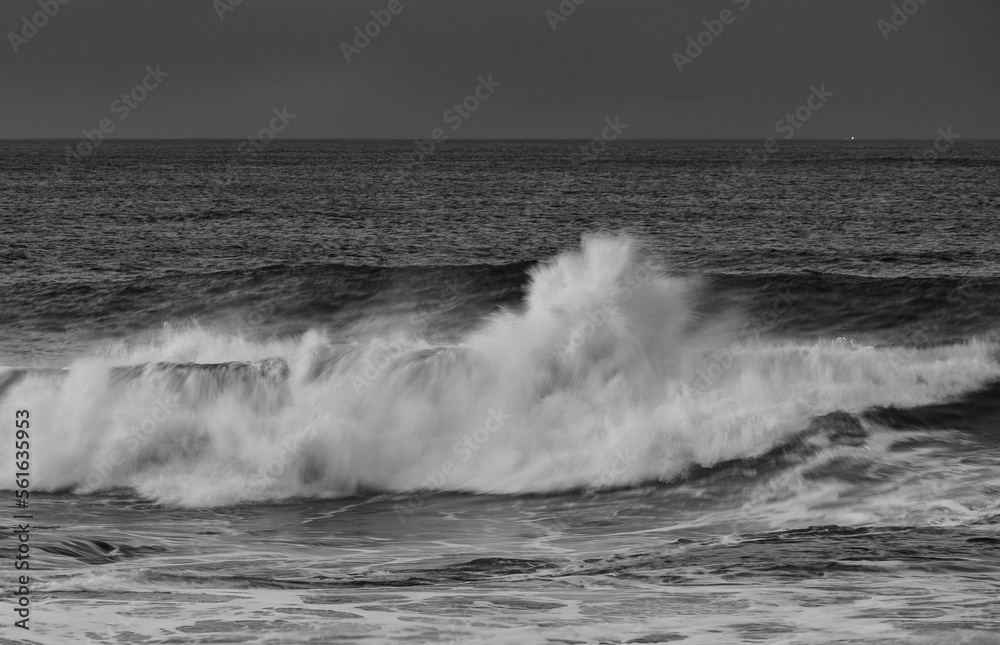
607 376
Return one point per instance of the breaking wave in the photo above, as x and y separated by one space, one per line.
608 375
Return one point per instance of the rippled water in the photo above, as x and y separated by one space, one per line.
320 395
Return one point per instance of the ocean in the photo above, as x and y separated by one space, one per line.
501 392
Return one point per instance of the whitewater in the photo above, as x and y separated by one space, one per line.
608 375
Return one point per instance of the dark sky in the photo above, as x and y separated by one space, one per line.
609 58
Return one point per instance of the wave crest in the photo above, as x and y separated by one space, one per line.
606 377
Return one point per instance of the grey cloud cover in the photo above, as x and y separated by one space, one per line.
608 58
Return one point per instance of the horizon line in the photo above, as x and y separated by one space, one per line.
488 139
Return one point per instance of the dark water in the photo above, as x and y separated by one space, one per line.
676 391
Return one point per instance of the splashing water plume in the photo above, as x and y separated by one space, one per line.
598 382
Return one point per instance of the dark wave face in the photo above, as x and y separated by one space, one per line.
449 301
